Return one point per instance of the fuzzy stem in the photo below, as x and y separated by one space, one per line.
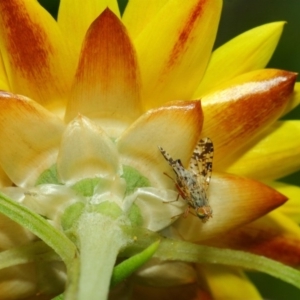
100 240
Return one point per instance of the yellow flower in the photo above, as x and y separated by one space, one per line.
88 99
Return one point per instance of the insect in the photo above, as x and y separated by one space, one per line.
192 183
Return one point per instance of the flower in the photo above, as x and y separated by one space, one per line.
100 170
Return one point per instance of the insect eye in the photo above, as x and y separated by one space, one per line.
204 213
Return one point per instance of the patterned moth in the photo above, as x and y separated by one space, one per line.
192 183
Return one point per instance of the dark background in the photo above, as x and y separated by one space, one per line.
237 17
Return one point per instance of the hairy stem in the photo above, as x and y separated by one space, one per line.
100 240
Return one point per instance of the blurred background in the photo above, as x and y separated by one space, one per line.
237 17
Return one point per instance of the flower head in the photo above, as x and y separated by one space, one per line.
85 109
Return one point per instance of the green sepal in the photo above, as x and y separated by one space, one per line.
71 215
133 180
49 176
86 187
135 215
107 208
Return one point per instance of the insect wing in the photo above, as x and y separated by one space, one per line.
201 161
175 164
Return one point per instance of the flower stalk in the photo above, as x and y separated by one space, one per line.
100 239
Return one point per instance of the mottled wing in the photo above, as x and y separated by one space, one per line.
175 164
201 161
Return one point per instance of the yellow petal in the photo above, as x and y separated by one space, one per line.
107 83
295 100
235 201
85 152
243 107
292 207
139 13
249 51
175 127
174 49
36 60
30 137
228 283
75 17
274 236
274 154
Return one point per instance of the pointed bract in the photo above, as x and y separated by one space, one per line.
295 99
139 13
173 52
175 127
107 83
274 154
30 137
291 208
235 201
86 152
242 108
84 12
34 53
249 51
